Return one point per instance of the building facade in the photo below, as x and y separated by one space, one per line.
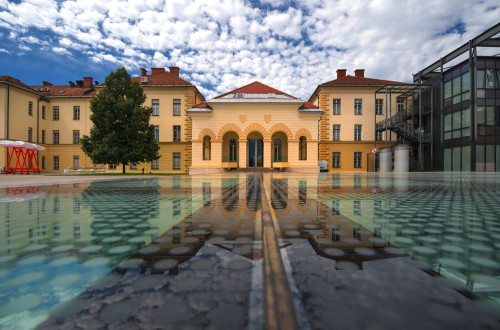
255 126
347 131
460 109
57 116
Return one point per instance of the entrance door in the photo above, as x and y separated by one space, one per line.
255 153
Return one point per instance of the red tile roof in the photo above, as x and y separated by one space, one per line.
259 88
14 81
353 80
162 78
64 90
201 105
255 88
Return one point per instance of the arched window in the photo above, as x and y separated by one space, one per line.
233 150
277 150
303 148
207 146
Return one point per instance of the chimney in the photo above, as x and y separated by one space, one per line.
46 83
87 82
144 72
341 73
359 73
174 70
157 70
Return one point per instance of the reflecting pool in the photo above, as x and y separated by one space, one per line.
248 250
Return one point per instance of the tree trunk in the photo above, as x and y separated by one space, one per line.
123 168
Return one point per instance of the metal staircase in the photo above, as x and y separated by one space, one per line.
401 124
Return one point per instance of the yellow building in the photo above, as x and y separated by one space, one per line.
255 126
56 117
347 128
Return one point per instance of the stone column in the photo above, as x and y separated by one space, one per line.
267 153
242 154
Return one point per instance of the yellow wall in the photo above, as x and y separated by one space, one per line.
19 122
244 118
347 120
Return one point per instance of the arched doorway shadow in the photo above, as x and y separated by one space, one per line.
255 150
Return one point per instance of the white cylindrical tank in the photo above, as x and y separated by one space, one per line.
385 160
401 158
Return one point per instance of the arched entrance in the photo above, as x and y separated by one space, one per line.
255 150
280 148
230 150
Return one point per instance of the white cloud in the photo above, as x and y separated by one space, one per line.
4 51
61 51
223 44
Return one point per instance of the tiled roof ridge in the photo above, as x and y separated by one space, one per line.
15 81
244 89
353 80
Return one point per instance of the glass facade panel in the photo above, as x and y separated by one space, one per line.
447 159
457 86
498 158
491 79
480 79
447 89
457 158
465 82
466 118
490 115
448 122
490 158
480 115
480 160
466 158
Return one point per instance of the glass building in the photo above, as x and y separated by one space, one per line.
461 109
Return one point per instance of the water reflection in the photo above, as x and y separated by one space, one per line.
187 251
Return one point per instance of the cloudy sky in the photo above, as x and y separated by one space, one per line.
220 45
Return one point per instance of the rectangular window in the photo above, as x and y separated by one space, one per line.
357 211
357 160
336 132
357 132
335 208
378 136
30 134
400 105
336 159
55 113
76 137
76 162
57 205
76 205
43 112
43 162
155 164
358 106
30 108
379 105
55 137
157 134
176 161
177 107
335 229
43 136
155 103
177 133
133 166
56 162
76 113
336 106
112 166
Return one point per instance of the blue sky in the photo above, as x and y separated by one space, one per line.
220 45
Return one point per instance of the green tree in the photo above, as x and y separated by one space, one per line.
121 133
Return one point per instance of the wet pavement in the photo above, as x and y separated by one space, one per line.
350 251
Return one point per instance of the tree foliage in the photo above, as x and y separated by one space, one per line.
121 133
